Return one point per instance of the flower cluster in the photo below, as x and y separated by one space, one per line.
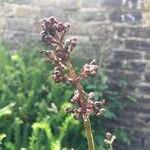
51 28
54 34
89 69
88 107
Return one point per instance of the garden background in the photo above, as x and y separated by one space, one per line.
116 33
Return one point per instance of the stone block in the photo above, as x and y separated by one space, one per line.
13 38
114 87
78 27
50 11
137 44
145 89
14 35
117 75
146 142
141 32
23 11
26 11
134 66
115 64
90 3
111 3
144 117
18 1
2 23
6 10
82 39
20 24
130 123
147 55
119 16
88 15
128 65
68 4
147 66
147 77
45 3
146 18
115 16
133 18
127 55
136 142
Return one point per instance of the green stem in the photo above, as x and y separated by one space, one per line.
111 147
86 120
89 134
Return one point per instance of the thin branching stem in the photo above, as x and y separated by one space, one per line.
111 147
88 129
86 120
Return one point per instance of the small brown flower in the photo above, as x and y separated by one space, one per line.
100 103
70 110
91 95
89 69
76 97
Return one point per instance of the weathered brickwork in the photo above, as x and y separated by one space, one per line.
100 25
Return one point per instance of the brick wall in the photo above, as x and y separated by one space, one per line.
131 64
99 25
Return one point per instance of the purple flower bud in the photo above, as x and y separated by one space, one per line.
91 95
69 80
76 97
46 52
100 103
67 26
47 39
90 104
88 111
79 110
52 20
70 110
108 136
89 69
86 71
67 42
45 24
73 41
93 62
57 76
100 112
60 27
43 20
96 111
70 44
43 33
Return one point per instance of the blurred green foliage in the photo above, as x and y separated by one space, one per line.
32 106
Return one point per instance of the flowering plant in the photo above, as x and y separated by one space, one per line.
54 34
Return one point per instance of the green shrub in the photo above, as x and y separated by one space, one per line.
28 97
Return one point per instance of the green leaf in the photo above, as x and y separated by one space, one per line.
109 114
91 87
2 136
6 110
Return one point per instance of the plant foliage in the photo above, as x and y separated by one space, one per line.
28 98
